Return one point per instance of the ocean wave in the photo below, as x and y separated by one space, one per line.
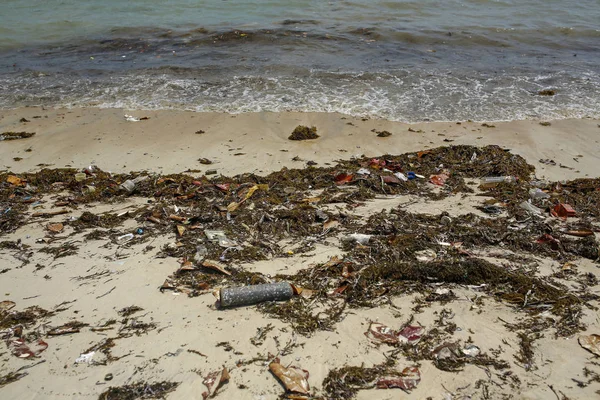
404 95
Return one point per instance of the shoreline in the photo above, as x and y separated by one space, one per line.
167 141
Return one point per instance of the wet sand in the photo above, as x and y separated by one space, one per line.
101 279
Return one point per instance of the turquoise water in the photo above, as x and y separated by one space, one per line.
403 60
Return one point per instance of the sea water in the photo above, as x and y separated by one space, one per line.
401 60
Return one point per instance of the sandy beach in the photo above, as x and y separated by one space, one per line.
503 348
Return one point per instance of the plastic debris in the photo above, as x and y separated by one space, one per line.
294 379
131 118
537 194
125 238
214 381
359 238
341 179
563 211
401 176
381 333
80 176
471 350
253 294
440 179
85 358
409 380
492 181
591 343
530 208
20 348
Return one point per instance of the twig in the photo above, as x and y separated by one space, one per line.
31 366
554 391
102 295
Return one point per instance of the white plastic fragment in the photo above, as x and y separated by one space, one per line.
85 358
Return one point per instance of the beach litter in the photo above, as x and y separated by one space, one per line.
214 381
563 211
293 379
212 228
21 348
254 294
378 332
85 358
131 118
408 380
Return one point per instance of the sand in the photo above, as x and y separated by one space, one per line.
100 280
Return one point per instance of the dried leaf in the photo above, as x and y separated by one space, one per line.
331 224
391 180
55 228
215 266
580 232
15 180
294 379
591 343
311 200
6 305
180 230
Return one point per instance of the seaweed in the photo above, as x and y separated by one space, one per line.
302 132
27 318
11 377
139 390
15 135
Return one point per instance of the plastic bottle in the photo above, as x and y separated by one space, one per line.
537 193
125 238
498 179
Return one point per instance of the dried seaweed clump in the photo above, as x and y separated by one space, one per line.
304 133
15 135
10 378
27 317
139 390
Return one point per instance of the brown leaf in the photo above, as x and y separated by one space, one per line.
6 305
215 266
294 379
580 232
55 228
391 180
591 343
331 224
15 180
